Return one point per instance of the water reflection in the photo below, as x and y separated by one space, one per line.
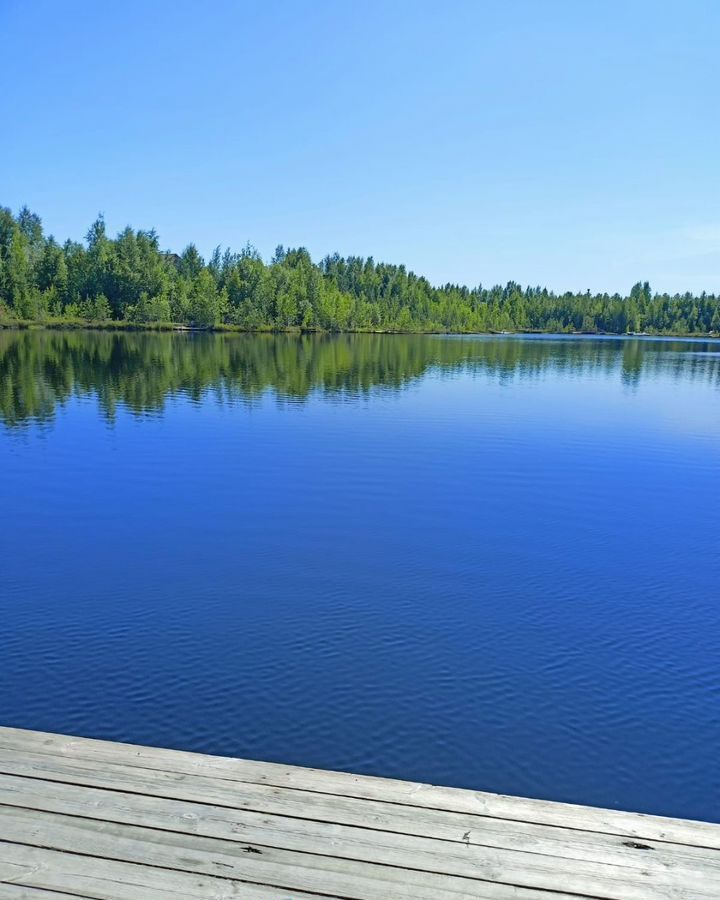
43 369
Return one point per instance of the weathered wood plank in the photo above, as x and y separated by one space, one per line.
22 892
291 803
465 858
282 870
633 825
183 825
106 879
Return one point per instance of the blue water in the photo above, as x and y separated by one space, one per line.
483 562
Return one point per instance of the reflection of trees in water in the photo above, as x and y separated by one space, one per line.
632 362
43 369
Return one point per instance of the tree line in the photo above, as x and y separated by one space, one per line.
130 280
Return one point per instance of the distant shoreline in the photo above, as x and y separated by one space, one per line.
172 327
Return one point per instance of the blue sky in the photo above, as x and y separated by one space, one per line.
573 144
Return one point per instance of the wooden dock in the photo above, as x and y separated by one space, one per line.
93 819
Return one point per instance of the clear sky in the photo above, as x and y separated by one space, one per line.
574 144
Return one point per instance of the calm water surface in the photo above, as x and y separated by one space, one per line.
483 562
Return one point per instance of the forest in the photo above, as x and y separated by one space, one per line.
129 281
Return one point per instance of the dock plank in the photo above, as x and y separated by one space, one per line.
221 793
246 828
364 787
10 891
524 860
402 876
105 879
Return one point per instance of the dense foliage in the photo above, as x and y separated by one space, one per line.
129 279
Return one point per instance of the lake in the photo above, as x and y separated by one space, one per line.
488 562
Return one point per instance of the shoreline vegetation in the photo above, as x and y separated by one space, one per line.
121 325
130 283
